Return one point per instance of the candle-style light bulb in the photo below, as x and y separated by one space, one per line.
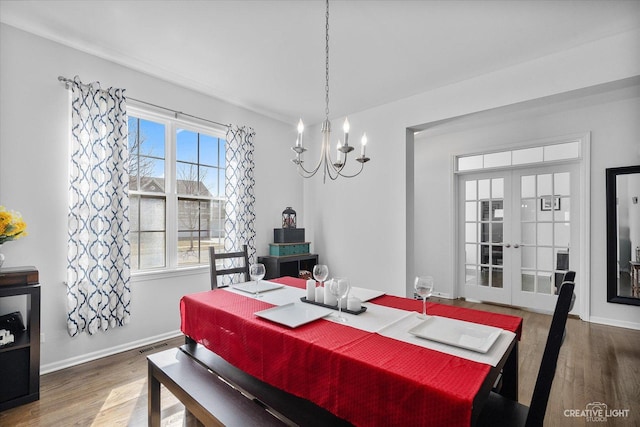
300 130
364 143
346 128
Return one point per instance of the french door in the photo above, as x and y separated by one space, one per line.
519 233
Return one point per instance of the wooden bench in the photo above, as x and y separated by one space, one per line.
212 401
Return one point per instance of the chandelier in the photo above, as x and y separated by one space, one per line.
332 169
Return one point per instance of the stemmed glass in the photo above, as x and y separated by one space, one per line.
424 287
320 273
257 272
339 288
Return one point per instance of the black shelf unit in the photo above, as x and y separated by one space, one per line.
278 266
20 360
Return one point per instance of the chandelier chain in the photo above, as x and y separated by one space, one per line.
326 86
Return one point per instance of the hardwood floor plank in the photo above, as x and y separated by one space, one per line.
597 363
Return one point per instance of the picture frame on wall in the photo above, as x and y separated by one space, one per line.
545 203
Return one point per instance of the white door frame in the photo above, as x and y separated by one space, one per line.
583 279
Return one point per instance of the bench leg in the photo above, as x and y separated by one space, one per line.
153 396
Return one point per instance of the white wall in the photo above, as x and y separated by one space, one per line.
359 225
34 110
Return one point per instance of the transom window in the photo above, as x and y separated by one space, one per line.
569 150
176 190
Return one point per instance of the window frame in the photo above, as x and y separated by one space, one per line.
172 123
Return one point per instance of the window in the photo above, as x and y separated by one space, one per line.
531 155
176 189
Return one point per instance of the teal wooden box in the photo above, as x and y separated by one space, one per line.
285 249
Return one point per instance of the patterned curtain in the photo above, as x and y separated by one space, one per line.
98 271
239 225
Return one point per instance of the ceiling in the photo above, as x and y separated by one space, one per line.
268 56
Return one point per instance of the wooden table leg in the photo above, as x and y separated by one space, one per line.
153 396
510 375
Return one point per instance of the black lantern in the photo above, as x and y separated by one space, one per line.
288 218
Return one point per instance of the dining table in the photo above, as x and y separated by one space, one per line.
375 369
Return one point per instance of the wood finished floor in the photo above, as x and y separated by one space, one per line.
597 363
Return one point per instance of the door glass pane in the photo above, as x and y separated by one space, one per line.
497 188
545 259
471 274
544 185
484 254
528 233
470 190
496 232
484 210
497 212
484 232
544 282
562 214
497 255
471 232
561 184
528 209
471 254
484 276
561 234
470 211
528 186
528 257
496 278
544 235
528 279
484 189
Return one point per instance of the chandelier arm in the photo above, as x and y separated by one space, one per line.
311 172
354 175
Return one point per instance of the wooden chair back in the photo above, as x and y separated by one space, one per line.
239 255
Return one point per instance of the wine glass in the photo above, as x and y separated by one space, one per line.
320 273
257 272
339 287
424 287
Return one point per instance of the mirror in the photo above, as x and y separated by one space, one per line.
623 235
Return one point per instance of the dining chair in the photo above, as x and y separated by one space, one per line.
215 271
500 411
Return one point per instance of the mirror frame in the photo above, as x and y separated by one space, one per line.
612 233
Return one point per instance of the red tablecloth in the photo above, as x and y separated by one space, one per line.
363 377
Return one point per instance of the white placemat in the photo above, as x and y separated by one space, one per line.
399 330
281 296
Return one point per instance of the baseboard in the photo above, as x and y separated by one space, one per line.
73 361
613 322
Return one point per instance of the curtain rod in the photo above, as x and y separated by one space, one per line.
68 82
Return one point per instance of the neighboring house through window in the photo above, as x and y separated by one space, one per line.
176 189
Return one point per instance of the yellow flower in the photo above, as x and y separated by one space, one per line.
12 226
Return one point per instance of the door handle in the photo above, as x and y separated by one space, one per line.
507 245
516 246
